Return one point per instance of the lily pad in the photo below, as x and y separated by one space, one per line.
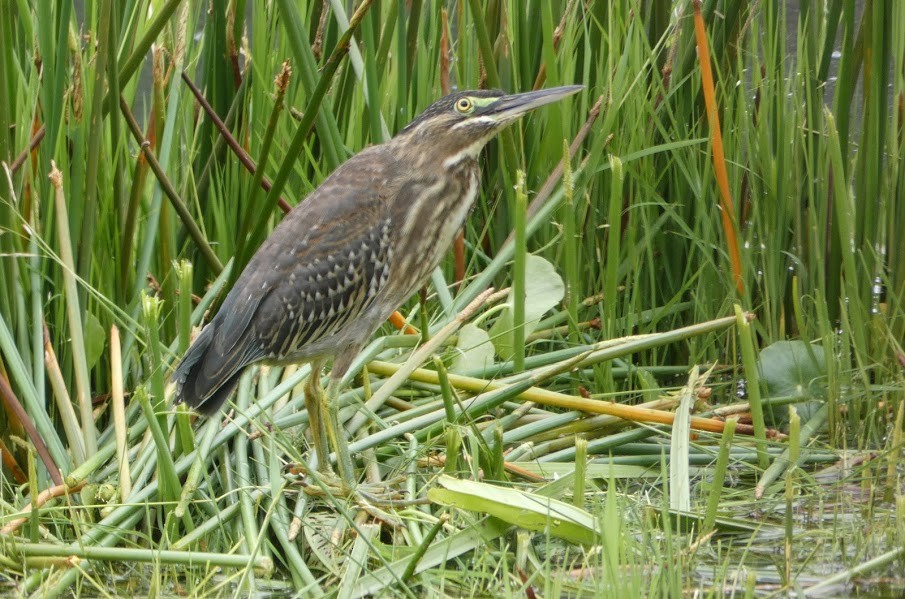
525 510
544 289
794 368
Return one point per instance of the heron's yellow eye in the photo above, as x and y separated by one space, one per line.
464 105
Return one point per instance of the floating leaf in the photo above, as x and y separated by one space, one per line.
473 350
544 289
525 510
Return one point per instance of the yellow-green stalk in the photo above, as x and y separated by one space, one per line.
518 274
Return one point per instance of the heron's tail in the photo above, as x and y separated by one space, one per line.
205 377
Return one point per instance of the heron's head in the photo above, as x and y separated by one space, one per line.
460 124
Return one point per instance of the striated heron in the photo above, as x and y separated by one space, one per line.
342 260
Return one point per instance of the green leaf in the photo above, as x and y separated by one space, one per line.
544 289
688 521
789 368
473 350
95 339
794 368
525 510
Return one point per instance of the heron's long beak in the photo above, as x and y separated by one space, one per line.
515 105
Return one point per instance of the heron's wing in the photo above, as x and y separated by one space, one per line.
326 281
320 268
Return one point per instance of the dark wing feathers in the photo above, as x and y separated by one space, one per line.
319 269
241 305
206 376
325 292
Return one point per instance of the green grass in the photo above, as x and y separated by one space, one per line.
155 218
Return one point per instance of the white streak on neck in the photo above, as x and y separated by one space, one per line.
471 151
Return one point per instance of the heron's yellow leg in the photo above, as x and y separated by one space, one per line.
336 434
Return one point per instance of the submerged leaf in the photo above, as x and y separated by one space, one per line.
544 289
525 510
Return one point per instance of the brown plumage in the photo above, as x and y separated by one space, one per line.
349 254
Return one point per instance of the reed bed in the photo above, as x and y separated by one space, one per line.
697 387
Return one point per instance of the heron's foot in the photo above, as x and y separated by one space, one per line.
385 493
375 499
